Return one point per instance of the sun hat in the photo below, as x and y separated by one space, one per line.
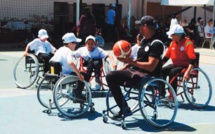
176 29
42 34
70 37
90 37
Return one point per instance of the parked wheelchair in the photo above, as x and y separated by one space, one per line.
27 69
159 111
198 89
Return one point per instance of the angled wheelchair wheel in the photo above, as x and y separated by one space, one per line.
45 93
64 94
198 89
159 111
130 95
26 71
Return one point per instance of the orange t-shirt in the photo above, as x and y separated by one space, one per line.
181 53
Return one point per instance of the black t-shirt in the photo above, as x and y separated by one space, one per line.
150 48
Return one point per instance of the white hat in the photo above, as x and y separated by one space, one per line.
42 34
113 5
175 29
70 37
90 37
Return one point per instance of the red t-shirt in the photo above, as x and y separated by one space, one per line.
181 53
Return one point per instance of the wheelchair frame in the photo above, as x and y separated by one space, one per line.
146 95
191 88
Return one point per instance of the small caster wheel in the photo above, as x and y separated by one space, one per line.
92 104
123 125
105 119
92 110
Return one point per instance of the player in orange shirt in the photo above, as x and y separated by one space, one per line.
181 52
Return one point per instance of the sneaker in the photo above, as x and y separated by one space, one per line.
96 86
119 114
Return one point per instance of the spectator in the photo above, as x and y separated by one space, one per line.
110 18
191 31
174 20
185 23
86 25
200 30
208 31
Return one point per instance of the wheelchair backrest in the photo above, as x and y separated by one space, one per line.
196 65
55 67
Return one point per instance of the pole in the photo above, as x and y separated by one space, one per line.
77 11
129 14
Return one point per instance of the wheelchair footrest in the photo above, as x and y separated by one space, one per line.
51 76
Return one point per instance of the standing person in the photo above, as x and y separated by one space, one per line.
200 30
148 63
192 31
181 52
64 56
86 25
110 18
92 56
42 48
174 20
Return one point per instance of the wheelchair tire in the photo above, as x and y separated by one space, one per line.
45 93
26 71
158 111
198 90
65 100
130 95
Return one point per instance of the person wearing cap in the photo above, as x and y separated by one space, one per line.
92 56
65 56
148 62
181 52
110 20
41 47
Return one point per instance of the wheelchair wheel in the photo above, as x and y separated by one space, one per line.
158 111
130 95
63 92
45 93
198 90
26 71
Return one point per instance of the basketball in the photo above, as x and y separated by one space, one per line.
122 49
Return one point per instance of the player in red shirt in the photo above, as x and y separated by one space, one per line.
181 52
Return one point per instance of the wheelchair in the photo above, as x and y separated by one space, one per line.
56 91
27 70
106 67
159 111
198 89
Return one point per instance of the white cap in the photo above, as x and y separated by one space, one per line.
42 34
176 29
113 5
90 37
70 37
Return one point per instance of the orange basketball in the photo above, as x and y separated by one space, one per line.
122 49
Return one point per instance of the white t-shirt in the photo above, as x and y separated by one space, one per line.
134 50
173 22
64 55
208 29
96 53
41 47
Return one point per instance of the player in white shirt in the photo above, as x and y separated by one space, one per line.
41 47
92 56
64 56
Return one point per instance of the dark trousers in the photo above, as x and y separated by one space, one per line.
93 65
171 71
118 78
110 33
46 59
80 84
